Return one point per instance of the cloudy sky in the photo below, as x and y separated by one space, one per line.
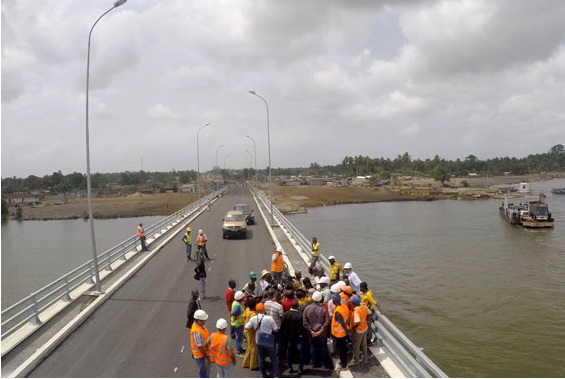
341 78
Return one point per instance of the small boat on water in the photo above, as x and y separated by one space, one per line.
529 214
558 191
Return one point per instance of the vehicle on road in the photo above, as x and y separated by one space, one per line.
234 225
246 209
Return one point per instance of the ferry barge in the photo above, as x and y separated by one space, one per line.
529 214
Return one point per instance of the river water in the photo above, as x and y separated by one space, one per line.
482 297
35 253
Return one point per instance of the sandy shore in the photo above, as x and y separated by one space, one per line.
286 198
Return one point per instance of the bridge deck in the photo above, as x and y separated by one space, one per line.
139 330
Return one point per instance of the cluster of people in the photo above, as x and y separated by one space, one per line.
281 321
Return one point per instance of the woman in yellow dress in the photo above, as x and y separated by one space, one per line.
251 359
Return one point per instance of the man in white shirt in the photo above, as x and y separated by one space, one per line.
263 323
353 278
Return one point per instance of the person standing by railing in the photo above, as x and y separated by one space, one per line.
315 254
277 265
352 277
141 236
335 268
371 303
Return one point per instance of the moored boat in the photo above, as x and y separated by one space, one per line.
529 214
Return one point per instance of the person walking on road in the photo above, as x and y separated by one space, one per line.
198 336
141 236
200 275
193 306
237 322
188 243
221 350
315 255
201 242
277 265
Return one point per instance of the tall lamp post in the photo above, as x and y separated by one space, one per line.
255 154
198 160
227 173
218 149
269 148
88 181
250 158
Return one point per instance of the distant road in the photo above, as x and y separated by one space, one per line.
140 331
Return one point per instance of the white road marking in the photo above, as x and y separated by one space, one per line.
182 349
175 370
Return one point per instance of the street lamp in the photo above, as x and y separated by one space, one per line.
255 153
88 181
198 161
227 173
250 158
269 148
219 147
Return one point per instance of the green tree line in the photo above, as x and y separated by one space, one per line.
382 168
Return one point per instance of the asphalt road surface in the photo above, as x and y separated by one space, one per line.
140 331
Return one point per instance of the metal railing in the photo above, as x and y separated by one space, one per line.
407 356
27 315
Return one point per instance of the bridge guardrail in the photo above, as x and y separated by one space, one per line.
407 355
23 318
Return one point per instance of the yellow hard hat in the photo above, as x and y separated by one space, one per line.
188 230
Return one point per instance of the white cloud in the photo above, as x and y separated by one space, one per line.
340 79
160 111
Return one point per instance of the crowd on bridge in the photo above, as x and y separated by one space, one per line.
279 321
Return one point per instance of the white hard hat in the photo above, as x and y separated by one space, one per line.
238 295
200 231
279 249
317 296
347 265
221 323
341 284
335 288
331 257
324 279
200 315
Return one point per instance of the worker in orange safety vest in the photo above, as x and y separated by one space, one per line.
141 236
198 336
277 265
339 328
221 350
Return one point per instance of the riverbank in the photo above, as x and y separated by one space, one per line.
288 199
